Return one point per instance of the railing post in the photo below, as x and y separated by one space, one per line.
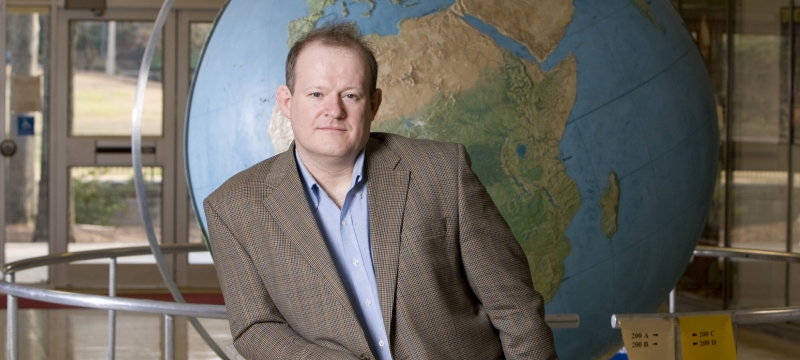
672 301
112 314
169 337
12 344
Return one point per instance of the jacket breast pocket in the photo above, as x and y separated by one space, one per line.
428 238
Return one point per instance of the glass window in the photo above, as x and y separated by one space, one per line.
104 212
759 190
757 110
199 33
106 56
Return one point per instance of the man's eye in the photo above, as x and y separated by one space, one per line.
351 96
316 94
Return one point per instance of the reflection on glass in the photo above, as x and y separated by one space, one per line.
759 190
759 117
760 187
756 98
759 213
200 31
758 284
104 212
106 56
27 114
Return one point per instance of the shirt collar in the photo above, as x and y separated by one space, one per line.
313 189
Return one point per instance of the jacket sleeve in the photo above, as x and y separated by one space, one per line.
498 271
258 329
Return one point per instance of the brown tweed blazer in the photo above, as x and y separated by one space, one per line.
453 282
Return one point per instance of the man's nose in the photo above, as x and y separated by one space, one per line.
335 107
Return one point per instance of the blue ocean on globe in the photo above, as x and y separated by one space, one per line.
595 132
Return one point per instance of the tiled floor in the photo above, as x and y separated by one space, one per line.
83 334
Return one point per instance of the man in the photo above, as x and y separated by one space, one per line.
373 246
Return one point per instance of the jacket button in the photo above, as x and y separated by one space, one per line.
364 357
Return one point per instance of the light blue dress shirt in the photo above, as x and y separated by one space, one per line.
346 231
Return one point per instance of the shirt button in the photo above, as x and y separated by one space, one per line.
344 222
369 302
381 343
355 262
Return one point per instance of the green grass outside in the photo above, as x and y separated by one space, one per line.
103 104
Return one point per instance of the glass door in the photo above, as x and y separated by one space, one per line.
95 199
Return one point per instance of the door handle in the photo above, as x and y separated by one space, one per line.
8 147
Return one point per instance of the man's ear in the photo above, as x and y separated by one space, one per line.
284 97
375 101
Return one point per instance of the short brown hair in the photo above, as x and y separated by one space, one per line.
336 34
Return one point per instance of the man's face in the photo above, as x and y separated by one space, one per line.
330 109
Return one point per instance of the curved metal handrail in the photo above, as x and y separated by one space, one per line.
114 303
754 254
218 311
748 316
171 308
67 257
151 306
751 316
562 321
148 306
111 302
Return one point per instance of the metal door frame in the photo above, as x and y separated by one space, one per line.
187 275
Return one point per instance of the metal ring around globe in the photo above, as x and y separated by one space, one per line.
138 179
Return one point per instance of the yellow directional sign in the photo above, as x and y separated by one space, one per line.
707 337
649 339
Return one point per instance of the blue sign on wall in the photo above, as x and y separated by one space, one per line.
25 125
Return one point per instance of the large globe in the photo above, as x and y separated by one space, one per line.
591 123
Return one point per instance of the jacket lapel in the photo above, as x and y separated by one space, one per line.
289 206
386 192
